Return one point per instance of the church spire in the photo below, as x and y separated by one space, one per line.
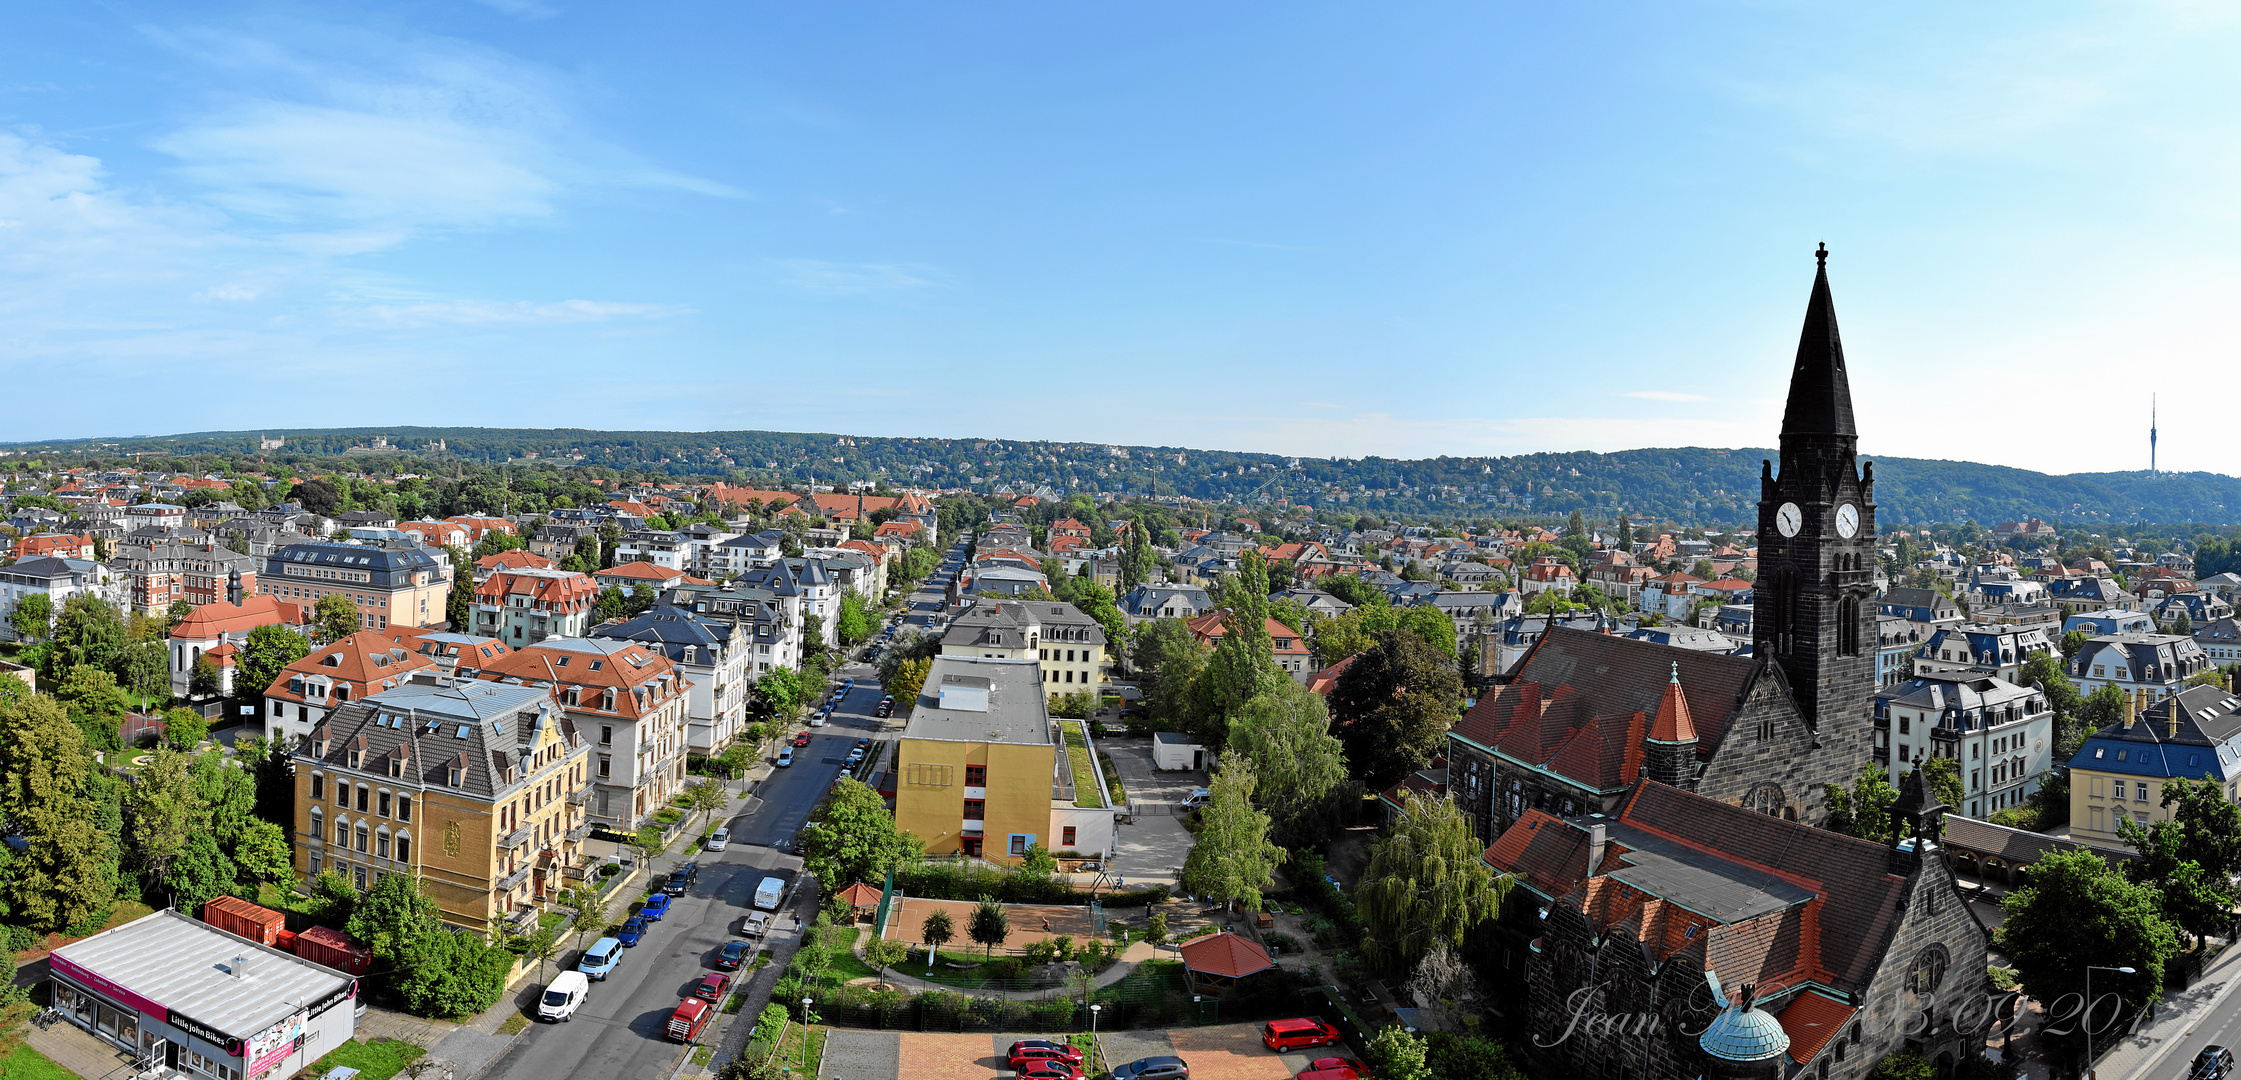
1820 393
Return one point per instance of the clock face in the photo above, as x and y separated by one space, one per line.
1847 521
1789 519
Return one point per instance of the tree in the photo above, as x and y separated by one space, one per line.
640 601
1943 775
885 953
96 702
777 694
1168 660
453 974
62 874
855 621
1865 810
1394 705
459 605
2190 857
935 932
33 617
989 925
856 838
1397 1054
333 899
907 681
334 618
88 632
185 728
145 667
544 945
1285 735
1244 659
1234 859
203 679
178 612
2075 911
268 650
1037 862
164 813
199 874
262 852
1425 886
391 919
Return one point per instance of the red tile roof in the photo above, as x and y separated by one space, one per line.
213 620
513 560
1811 1021
1225 955
1209 629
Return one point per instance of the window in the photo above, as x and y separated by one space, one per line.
384 805
1906 724
976 809
361 838
318 786
2142 791
342 795
364 797
318 823
381 843
976 776
606 766
1021 842
606 734
1066 836
458 776
358 877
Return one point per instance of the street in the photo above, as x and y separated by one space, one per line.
619 1030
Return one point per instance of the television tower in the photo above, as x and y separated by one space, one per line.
2151 433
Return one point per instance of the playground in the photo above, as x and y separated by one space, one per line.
1026 923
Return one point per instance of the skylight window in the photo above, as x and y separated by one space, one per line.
461 733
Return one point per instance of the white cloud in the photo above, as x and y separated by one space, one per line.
814 275
1665 395
495 313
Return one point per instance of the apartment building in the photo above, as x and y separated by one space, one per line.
765 622
2148 666
2118 775
668 550
355 668
984 771
1068 646
159 575
714 659
631 704
56 579
397 585
474 787
2001 735
526 606
1999 651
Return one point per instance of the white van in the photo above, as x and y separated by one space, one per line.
562 995
768 893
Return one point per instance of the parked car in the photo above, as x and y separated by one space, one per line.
1027 1050
1197 798
655 907
633 928
755 924
1282 1035
713 986
1332 1068
692 1015
1051 1070
785 757
864 743
855 756
817 719
769 892
566 991
599 961
718 840
733 954
1153 1068
681 879
802 739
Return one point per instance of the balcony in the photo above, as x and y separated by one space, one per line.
508 883
579 796
577 834
516 838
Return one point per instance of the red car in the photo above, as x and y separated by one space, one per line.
802 739
1052 1070
712 986
1332 1068
1031 1051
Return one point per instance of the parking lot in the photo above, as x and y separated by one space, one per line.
1222 1052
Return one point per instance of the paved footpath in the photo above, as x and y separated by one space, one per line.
2185 1021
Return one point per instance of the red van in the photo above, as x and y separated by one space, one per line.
692 1014
1282 1035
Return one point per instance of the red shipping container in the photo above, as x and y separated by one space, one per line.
334 949
236 916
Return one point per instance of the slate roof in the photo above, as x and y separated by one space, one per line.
1820 392
670 630
2018 845
483 726
2194 734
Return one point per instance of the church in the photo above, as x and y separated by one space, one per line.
1657 810
1585 715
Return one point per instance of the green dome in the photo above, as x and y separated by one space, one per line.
1750 1034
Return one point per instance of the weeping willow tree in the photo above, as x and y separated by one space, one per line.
1425 885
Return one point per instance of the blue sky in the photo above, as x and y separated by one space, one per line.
1301 228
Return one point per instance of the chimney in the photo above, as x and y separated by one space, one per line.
1598 839
2131 709
241 968
233 586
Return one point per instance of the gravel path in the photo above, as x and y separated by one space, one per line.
854 1054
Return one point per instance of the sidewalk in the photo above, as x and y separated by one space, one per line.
2136 1055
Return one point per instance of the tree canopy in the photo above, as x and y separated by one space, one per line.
1394 705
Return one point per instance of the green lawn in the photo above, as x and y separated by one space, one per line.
1143 984
376 1060
1112 778
29 1064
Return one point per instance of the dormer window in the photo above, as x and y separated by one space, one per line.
355 757
458 776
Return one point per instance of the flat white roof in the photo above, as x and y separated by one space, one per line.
186 964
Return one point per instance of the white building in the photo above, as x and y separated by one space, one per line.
2000 734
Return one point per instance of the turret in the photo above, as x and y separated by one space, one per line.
1669 753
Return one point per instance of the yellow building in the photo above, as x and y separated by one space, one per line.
474 787
2118 775
984 771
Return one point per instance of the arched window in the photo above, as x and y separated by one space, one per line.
318 823
1786 611
1848 626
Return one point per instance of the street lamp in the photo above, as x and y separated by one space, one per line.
805 1034
2088 1012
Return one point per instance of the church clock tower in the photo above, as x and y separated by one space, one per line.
1815 610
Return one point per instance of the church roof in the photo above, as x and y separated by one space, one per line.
1576 679
1773 902
1820 393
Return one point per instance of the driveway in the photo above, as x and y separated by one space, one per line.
1154 844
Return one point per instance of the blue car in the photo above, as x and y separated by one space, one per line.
632 929
655 907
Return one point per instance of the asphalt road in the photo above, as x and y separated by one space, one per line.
619 1030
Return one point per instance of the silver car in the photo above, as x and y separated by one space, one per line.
1153 1068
